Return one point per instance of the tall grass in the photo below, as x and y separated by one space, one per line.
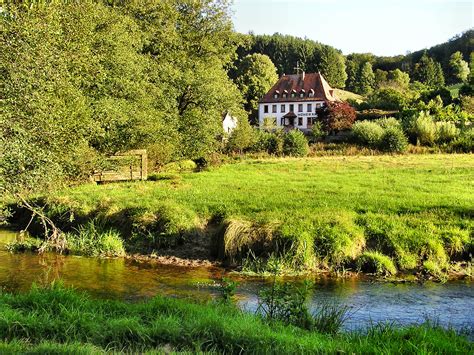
318 212
61 320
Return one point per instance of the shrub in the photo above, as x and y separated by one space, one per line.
388 122
393 140
465 142
295 144
317 131
424 129
446 132
378 263
367 133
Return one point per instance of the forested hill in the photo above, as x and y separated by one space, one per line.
463 43
286 51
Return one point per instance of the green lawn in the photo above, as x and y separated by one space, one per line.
414 211
58 320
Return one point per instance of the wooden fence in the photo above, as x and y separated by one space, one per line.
130 165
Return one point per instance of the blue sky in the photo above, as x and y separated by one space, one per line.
383 27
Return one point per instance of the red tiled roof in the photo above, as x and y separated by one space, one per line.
288 83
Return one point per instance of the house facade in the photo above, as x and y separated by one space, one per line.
294 100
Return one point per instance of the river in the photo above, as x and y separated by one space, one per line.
451 303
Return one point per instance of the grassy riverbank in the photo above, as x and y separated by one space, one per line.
381 214
59 320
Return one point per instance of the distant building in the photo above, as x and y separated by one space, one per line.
294 99
229 123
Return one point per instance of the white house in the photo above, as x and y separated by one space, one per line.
292 102
229 123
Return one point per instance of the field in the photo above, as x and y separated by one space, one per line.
60 320
347 95
379 214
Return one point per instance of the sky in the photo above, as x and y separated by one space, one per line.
382 27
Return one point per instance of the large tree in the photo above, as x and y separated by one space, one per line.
256 74
459 68
428 72
366 79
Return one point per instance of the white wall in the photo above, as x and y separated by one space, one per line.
279 114
229 123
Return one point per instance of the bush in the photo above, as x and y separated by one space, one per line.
446 132
270 142
424 129
367 133
465 142
317 131
295 144
393 140
388 122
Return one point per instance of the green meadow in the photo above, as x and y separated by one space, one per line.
58 320
380 214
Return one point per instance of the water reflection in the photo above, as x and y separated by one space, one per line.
451 303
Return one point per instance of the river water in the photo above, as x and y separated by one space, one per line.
452 303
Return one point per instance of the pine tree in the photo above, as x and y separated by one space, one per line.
366 79
459 67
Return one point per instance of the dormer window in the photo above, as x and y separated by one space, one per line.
276 94
302 92
285 94
293 93
311 93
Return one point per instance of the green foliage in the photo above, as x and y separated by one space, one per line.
424 129
285 51
375 262
286 303
388 99
317 131
393 140
295 144
459 67
94 239
428 72
465 142
446 132
385 134
256 74
227 290
332 66
112 78
242 137
368 133
366 79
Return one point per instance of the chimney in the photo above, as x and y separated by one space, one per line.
302 75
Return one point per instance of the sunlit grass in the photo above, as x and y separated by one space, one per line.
411 208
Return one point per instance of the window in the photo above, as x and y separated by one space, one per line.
285 95
300 121
309 108
265 109
274 108
300 107
275 96
318 105
293 94
309 121
302 94
311 93
282 108
282 121
292 107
